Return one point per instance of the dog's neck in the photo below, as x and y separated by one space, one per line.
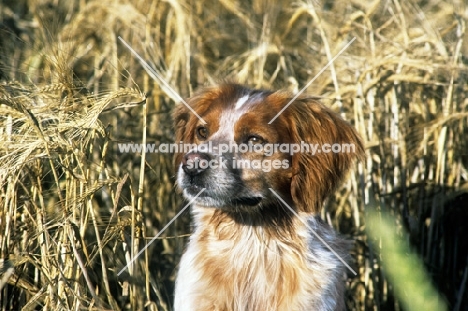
272 222
245 263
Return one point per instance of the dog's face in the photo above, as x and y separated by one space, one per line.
237 156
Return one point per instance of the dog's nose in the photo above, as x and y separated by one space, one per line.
195 163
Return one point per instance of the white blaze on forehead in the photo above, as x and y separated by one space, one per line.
228 119
241 101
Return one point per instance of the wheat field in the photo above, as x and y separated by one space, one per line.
75 210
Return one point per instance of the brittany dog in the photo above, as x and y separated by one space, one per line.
258 244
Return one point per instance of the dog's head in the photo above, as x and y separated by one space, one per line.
240 159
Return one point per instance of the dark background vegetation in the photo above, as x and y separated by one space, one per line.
74 210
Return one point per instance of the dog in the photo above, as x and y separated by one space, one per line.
258 244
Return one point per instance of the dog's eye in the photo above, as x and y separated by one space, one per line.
255 140
202 132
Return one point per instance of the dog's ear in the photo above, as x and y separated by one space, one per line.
181 117
316 176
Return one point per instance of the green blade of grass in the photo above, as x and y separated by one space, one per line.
404 269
